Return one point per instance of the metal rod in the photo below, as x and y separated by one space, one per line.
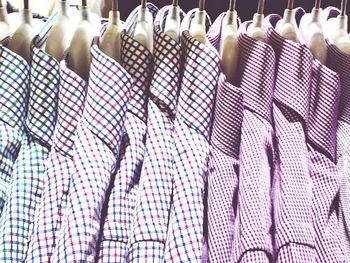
344 4
26 4
175 2
83 3
318 4
261 6
143 3
201 5
115 6
290 4
232 6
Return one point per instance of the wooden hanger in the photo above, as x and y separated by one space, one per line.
255 29
338 32
79 58
312 32
22 38
110 42
287 26
5 28
60 36
229 43
144 27
197 27
172 23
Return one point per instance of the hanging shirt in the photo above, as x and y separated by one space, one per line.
14 92
138 61
96 144
151 214
223 165
185 241
294 232
253 238
48 219
24 191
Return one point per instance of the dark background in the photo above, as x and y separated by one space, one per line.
245 8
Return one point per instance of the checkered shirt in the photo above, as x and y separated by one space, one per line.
138 61
14 92
191 133
223 165
48 219
24 193
151 214
323 171
294 232
340 63
253 239
96 144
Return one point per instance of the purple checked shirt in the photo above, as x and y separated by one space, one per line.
122 198
253 226
223 165
48 219
95 148
192 128
294 232
151 214
14 91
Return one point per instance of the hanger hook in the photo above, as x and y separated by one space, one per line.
290 4
115 5
261 6
232 6
26 4
175 2
344 4
318 4
201 5
143 3
83 3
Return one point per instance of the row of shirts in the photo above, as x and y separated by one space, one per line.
160 159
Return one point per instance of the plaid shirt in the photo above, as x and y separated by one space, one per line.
96 144
294 232
48 219
223 166
14 91
191 133
151 214
253 239
24 192
122 199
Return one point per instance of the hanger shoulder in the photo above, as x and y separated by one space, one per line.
144 28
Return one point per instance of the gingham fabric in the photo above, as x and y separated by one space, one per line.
24 193
48 218
14 92
96 145
294 232
122 199
323 171
223 165
253 238
340 63
151 214
191 133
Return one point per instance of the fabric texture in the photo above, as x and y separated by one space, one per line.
253 226
14 92
96 144
24 193
48 219
191 133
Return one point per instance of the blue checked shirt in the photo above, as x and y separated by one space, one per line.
151 214
191 133
95 148
14 91
24 193
48 219
122 198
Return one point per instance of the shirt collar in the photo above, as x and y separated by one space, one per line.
14 87
40 39
324 108
228 117
163 14
138 61
106 99
200 77
256 73
186 22
70 108
293 72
